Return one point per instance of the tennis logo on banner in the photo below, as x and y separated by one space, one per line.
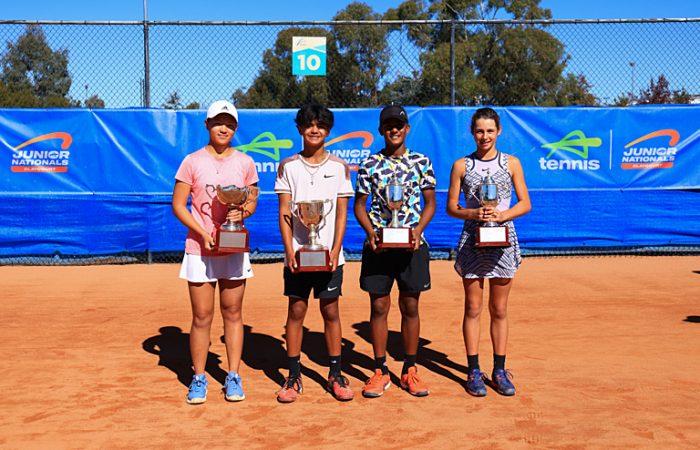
309 56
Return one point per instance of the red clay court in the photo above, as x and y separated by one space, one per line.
603 350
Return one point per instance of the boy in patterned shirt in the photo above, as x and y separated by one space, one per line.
409 267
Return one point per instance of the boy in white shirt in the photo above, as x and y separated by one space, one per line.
313 174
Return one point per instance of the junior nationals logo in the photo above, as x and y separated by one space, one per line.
34 160
353 156
650 157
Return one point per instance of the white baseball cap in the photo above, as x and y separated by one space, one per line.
222 107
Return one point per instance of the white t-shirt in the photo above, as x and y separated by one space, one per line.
304 182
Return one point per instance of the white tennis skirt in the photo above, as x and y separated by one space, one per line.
201 269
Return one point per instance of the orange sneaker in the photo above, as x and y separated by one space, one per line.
291 389
338 386
376 385
413 384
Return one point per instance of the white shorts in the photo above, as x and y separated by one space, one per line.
201 269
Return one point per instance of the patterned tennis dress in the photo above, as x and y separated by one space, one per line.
487 262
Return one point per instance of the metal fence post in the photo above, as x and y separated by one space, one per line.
146 59
452 63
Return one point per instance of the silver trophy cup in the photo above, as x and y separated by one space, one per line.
312 214
394 201
231 236
396 235
490 234
235 197
488 195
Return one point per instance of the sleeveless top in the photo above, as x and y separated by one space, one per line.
486 262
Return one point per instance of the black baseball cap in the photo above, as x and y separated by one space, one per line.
393 112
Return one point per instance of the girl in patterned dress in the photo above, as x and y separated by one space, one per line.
497 264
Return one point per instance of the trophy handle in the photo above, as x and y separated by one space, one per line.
328 202
293 208
253 194
378 193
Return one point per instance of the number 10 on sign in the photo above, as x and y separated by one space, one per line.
309 56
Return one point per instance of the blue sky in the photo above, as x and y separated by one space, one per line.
308 10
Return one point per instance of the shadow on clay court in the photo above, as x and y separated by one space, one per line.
692 319
173 349
433 360
314 347
265 353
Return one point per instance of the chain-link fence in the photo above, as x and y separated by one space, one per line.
190 64
425 63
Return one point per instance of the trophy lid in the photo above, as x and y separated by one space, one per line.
487 179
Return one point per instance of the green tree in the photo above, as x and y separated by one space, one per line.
496 63
174 101
94 102
34 75
276 87
659 92
364 55
356 60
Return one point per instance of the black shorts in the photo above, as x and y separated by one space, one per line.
325 284
410 270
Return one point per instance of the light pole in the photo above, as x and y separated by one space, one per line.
632 65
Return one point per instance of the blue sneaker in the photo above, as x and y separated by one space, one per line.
198 390
500 380
233 392
475 383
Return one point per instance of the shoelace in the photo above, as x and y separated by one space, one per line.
506 375
413 378
476 374
376 378
341 380
292 383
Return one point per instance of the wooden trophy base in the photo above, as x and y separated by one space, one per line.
313 260
492 237
395 237
228 241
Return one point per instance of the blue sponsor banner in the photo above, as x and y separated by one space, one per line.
99 181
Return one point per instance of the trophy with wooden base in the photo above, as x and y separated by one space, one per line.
233 237
395 235
490 234
314 256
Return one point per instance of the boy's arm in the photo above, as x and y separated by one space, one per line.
285 223
360 210
425 217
